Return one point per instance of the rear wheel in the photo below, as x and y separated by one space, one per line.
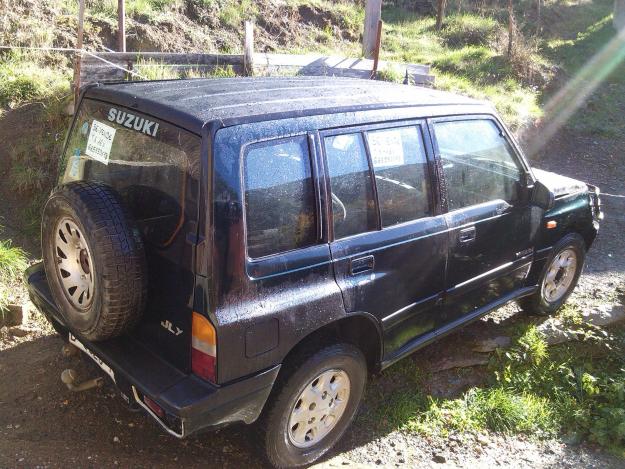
559 278
94 260
314 405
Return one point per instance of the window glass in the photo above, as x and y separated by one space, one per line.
152 165
401 174
353 208
279 197
478 163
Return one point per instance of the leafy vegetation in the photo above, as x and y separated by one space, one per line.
576 389
23 79
12 264
152 70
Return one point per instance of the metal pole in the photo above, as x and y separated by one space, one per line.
121 25
373 14
78 53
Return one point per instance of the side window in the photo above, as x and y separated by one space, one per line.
353 206
401 174
478 163
279 197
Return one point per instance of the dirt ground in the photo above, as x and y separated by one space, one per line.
42 424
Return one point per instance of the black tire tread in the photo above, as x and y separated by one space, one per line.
279 397
534 304
118 254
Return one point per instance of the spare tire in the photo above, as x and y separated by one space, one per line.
94 260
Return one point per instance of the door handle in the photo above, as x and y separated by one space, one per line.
467 235
361 264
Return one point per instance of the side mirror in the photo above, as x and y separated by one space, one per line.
542 196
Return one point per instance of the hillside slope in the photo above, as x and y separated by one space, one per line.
469 55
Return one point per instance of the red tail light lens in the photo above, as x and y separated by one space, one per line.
203 348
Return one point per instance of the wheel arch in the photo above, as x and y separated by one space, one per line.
360 329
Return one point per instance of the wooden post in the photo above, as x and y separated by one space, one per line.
373 14
440 13
376 52
121 26
248 49
510 27
78 53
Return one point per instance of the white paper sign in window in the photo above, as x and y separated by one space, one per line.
386 148
100 141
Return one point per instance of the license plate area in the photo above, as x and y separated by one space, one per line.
107 369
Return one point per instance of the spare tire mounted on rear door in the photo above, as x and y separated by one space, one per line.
94 260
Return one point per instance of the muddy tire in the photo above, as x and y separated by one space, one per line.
315 401
559 277
94 260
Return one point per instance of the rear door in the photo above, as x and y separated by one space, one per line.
485 181
389 242
154 167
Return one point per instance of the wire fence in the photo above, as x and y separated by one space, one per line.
81 51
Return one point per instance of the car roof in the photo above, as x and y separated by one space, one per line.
193 103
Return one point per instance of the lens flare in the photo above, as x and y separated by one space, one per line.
573 95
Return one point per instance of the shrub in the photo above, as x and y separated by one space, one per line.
233 14
469 30
12 263
24 78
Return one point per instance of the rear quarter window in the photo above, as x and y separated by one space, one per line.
152 164
279 197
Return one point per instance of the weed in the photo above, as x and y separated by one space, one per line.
24 79
155 70
13 261
222 72
392 74
233 14
469 30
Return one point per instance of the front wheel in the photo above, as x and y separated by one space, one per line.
314 405
559 277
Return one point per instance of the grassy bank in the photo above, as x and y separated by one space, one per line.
575 390
12 264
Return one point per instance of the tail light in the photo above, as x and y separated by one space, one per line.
203 348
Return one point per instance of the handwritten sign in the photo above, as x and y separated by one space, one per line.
100 142
386 148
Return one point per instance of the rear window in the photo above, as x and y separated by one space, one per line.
153 165
279 197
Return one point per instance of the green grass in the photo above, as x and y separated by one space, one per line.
233 14
576 390
581 36
153 70
39 83
148 9
13 261
24 78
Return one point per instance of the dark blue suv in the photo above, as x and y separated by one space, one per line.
250 249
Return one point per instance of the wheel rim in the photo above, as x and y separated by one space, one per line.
74 264
560 275
319 408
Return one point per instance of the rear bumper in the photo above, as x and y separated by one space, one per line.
188 403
